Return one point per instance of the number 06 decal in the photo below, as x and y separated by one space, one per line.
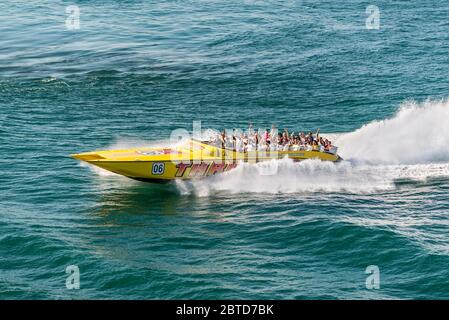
158 168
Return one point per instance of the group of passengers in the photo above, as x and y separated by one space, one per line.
272 140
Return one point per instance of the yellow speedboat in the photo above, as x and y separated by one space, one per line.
192 159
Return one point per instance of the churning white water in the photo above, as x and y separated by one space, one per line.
416 134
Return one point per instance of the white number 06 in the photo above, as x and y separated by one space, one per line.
158 168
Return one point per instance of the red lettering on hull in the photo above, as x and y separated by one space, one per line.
216 168
198 169
181 169
202 169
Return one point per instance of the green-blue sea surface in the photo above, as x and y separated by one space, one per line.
136 70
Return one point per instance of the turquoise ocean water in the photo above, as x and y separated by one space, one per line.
136 70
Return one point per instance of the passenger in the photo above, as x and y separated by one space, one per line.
239 143
234 140
256 139
295 145
245 143
267 146
223 139
266 137
285 138
309 138
322 143
326 145
286 134
315 145
291 137
279 139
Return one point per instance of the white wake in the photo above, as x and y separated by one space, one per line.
416 134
